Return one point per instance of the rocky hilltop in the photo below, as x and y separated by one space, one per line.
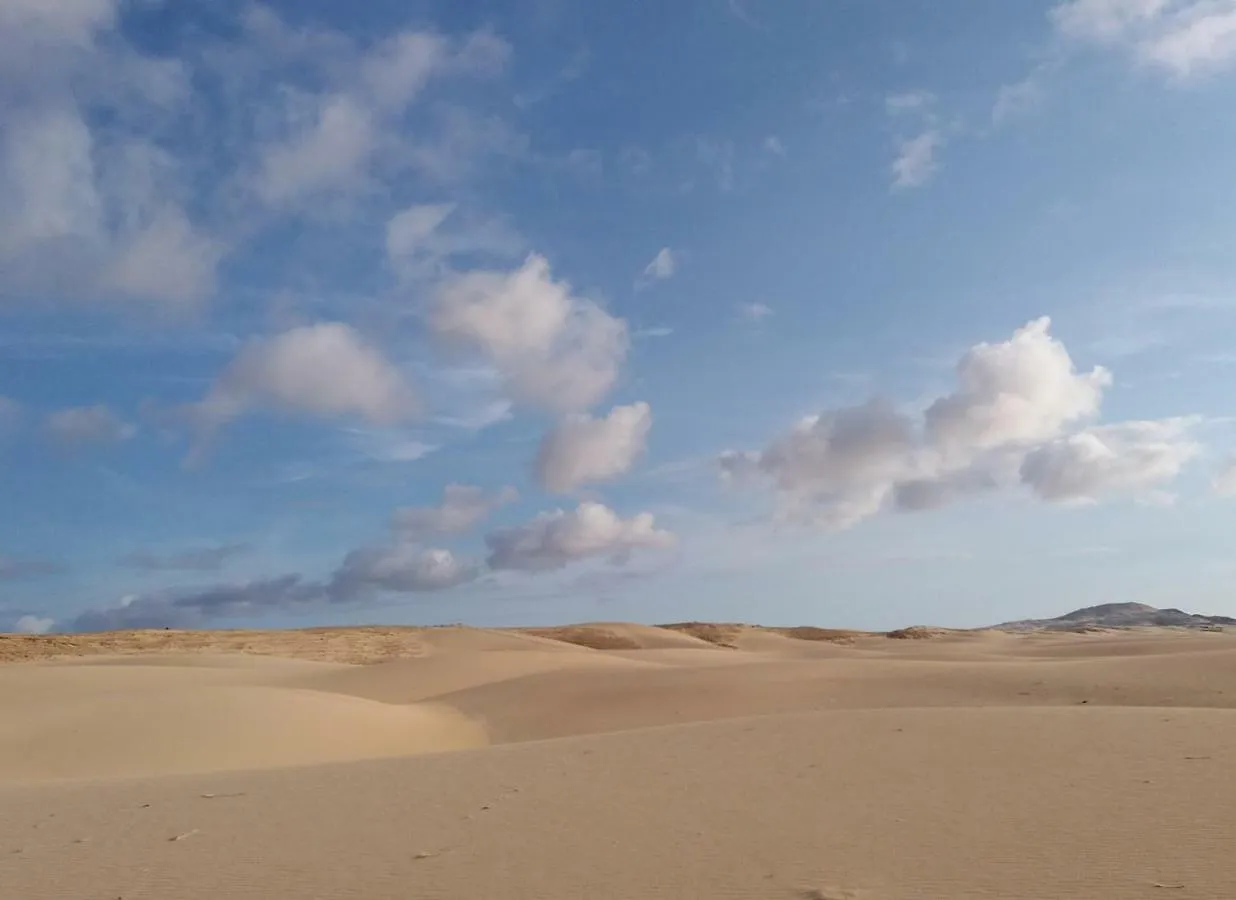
1119 615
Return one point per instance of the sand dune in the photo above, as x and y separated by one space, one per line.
624 636
129 718
722 762
412 680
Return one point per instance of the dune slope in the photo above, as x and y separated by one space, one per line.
1094 803
974 765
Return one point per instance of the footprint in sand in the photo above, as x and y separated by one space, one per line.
829 893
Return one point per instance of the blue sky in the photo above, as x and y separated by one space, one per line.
857 314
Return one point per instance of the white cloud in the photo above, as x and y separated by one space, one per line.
401 568
166 259
1007 422
480 417
49 181
82 425
774 145
755 311
326 370
1182 37
555 539
582 449
90 208
916 163
330 151
554 350
1018 391
400 67
463 507
126 178
1131 457
835 468
1224 482
388 445
331 142
33 625
662 266
1105 19
423 239
409 230
404 565
1017 99
917 101
72 24
468 396
738 9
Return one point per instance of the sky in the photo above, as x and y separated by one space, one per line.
857 314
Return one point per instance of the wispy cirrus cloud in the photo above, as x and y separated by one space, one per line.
1182 38
81 426
916 161
661 267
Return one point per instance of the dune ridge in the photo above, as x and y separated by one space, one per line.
376 643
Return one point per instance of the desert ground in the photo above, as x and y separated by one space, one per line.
618 761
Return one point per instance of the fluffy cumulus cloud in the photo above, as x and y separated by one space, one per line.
1014 418
837 467
555 350
1181 37
1019 391
402 567
556 539
201 559
463 507
82 426
327 370
582 449
1128 457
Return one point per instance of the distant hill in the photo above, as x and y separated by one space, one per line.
1119 615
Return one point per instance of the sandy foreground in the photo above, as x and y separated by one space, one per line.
393 764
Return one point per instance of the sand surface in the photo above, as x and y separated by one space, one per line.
616 761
